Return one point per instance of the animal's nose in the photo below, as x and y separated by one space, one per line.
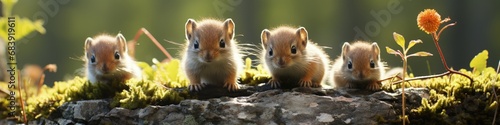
105 68
208 57
281 62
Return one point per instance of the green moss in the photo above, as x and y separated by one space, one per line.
455 100
163 84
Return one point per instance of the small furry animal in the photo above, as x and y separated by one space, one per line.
107 60
211 55
291 57
359 66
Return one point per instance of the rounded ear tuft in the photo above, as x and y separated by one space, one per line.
376 49
122 42
345 49
88 43
264 37
190 27
302 35
229 26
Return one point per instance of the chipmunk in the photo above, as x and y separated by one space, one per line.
359 66
211 55
107 60
291 57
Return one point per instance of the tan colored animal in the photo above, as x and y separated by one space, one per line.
359 66
211 55
292 58
106 60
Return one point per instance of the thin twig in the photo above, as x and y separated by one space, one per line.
495 93
442 29
21 99
443 60
145 31
40 83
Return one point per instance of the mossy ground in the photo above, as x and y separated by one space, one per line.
456 100
451 101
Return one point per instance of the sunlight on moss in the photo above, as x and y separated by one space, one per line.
163 84
456 96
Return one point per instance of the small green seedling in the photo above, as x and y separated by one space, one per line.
400 40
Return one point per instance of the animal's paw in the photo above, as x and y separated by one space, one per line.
374 86
274 83
232 86
305 83
195 86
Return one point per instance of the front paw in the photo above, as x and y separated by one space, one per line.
232 86
195 86
374 86
305 83
274 83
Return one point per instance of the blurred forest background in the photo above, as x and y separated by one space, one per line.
329 23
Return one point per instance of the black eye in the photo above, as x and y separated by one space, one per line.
196 44
372 64
222 44
117 55
349 64
270 51
92 59
294 49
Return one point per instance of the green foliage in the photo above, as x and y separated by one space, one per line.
23 27
478 63
455 101
254 76
400 40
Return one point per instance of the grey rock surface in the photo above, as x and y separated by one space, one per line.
273 107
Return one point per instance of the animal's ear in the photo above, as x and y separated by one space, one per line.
122 42
302 35
345 49
229 27
376 49
88 43
264 37
190 27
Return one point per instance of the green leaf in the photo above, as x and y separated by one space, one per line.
399 39
7 7
478 63
421 53
24 26
412 43
391 51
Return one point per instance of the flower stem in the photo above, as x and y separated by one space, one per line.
403 89
450 71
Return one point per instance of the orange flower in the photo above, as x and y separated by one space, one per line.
428 21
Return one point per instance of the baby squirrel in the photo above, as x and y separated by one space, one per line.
359 66
211 55
107 60
291 57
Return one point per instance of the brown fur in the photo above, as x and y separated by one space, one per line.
211 63
306 68
106 68
361 75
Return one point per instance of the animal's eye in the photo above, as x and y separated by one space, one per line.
349 64
294 49
372 64
117 55
92 58
196 44
222 43
270 51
